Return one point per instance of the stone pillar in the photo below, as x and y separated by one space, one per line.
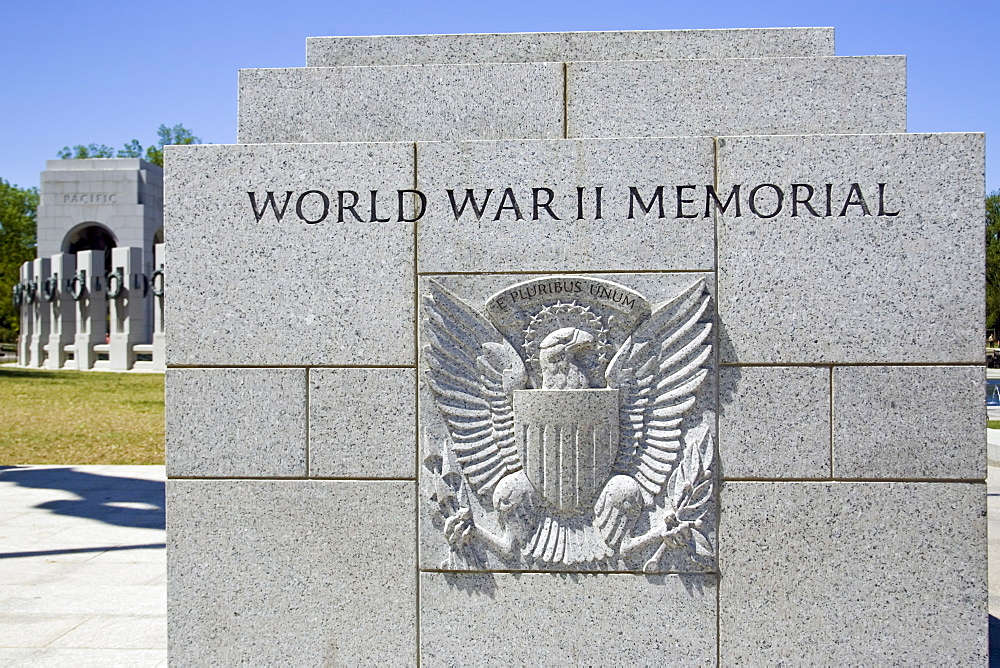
61 309
157 285
498 385
25 313
91 306
40 312
127 288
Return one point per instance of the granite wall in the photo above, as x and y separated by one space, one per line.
321 273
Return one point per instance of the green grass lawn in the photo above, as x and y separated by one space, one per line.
77 417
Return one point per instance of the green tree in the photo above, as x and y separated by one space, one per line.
18 208
133 149
178 134
168 137
993 259
89 151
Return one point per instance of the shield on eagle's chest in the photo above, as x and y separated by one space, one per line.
567 441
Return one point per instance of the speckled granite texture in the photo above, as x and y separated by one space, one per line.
362 423
908 422
854 287
742 96
427 103
361 469
294 572
236 423
652 98
844 573
269 292
567 46
774 422
553 619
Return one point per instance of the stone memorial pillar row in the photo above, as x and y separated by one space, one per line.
157 282
126 285
61 310
87 291
24 312
40 270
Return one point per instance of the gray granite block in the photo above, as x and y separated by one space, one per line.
244 291
459 470
551 619
566 174
564 46
770 96
236 422
291 572
423 103
853 286
774 422
362 423
834 573
909 422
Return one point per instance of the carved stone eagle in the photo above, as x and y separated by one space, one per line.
571 462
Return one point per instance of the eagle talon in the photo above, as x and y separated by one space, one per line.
458 528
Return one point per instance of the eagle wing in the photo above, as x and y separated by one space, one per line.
473 372
658 369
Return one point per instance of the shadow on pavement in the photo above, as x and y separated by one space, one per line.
994 642
81 550
126 502
994 648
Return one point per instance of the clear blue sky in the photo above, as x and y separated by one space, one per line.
107 72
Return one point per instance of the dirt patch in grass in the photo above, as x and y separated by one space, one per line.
79 417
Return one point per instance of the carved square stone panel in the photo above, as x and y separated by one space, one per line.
567 423
292 572
848 573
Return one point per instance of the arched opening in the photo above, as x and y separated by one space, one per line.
94 237
91 236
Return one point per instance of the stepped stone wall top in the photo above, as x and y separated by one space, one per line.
566 46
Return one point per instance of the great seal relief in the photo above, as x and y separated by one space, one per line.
565 435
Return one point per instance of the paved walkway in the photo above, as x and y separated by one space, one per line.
82 566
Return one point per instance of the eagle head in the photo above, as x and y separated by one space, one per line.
559 357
